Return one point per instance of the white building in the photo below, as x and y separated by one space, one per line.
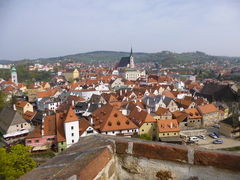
71 128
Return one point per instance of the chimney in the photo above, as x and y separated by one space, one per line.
91 121
148 101
14 107
121 92
148 110
73 103
171 125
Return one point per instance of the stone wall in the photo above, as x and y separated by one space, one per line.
102 157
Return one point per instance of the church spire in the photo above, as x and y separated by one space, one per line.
131 51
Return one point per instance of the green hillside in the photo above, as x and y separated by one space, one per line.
165 57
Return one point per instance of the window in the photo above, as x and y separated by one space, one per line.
73 141
29 141
61 149
71 127
61 143
142 130
72 134
17 125
163 134
113 132
37 141
89 131
106 132
167 133
21 125
174 133
147 123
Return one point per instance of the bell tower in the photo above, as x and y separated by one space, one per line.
14 75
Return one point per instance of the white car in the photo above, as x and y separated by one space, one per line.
194 139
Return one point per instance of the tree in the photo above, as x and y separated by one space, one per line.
3 99
15 162
145 136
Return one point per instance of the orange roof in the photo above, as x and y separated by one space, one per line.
83 125
48 93
60 127
140 117
161 111
168 94
71 115
28 115
49 125
193 113
168 126
21 104
108 118
208 108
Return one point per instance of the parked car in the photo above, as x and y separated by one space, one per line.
194 139
213 135
217 134
202 137
216 126
218 141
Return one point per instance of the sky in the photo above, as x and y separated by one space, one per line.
48 28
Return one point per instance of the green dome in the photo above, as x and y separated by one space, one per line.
13 68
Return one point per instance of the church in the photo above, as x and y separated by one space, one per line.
126 62
127 68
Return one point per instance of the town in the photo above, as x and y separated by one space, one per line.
123 99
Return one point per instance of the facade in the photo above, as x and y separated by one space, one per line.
12 123
209 113
167 128
24 106
230 127
71 127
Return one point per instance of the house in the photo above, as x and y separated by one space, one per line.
109 120
24 106
43 136
167 128
86 128
230 127
116 83
185 104
162 114
71 127
209 113
194 119
145 122
12 124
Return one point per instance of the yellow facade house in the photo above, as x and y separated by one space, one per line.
167 128
145 122
23 106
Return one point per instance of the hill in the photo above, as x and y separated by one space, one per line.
165 57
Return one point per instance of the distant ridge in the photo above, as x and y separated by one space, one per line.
164 57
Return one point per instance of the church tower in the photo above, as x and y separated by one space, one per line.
14 75
132 65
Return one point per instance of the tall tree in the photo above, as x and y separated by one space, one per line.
3 99
15 162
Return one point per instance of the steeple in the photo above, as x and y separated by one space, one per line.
131 52
132 65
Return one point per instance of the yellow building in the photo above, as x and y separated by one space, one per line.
145 122
76 74
167 128
23 106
